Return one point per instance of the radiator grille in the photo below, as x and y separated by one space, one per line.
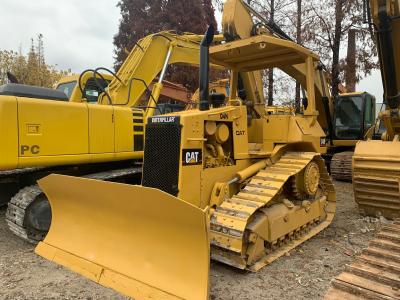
162 156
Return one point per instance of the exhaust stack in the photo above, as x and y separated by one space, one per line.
205 68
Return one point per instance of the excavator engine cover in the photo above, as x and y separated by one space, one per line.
139 241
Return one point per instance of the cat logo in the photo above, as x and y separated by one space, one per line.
192 157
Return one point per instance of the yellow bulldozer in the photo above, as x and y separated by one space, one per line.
376 164
90 125
226 180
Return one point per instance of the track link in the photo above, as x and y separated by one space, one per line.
234 222
375 274
15 214
376 186
341 166
17 207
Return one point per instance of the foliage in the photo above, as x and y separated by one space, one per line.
29 69
143 17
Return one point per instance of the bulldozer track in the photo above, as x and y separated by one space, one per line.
376 186
341 166
16 211
375 274
233 219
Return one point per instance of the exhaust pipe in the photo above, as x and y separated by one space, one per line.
205 68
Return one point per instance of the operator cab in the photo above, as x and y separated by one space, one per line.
91 89
354 115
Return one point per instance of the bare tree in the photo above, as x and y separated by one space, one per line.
271 71
299 41
350 73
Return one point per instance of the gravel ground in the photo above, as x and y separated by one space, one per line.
304 274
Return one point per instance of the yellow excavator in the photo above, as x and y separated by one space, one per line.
376 164
375 272
353 119
226 180
96 132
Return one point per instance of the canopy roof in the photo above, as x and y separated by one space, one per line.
259 52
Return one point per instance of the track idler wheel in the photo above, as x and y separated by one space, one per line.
306 183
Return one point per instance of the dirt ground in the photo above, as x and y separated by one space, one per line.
304 274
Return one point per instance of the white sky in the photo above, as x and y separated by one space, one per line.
79 34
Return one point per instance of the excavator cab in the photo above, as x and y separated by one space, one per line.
354 115
69 85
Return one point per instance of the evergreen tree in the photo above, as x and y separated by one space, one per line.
31 69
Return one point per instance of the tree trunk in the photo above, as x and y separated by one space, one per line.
270 87
271 71
299 41
351 62
336 47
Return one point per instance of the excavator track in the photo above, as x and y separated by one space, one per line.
17 207
341 166
375 274
376 179
234 223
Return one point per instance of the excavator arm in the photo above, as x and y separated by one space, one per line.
237 23
148 59
386 20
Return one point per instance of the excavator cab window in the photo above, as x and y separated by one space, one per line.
369 111
349 117
92 90
67 88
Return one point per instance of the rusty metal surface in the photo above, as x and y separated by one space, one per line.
375 274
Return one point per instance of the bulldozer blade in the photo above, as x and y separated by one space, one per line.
139 241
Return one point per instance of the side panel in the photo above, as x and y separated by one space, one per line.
123 129
101 128
8 133
50 128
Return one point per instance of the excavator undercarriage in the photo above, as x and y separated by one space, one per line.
376 178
